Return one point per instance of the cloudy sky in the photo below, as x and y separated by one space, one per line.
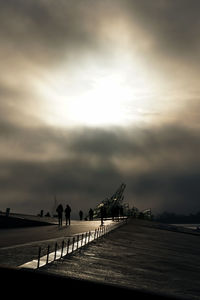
94 93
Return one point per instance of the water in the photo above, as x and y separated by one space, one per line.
188 226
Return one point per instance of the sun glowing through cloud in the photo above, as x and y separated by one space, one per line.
97 95
103 104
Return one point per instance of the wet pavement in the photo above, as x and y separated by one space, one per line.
20 245
138 255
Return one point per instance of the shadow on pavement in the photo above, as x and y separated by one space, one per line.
27 283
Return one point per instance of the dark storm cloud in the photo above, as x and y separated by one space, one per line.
48 29
174 23
84 172
73 179
164 190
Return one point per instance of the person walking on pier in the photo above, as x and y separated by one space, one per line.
59 210
102 213
67 214
91 214
113 212
81 215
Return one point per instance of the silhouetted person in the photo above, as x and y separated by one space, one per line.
59 210
81 215
113 212
121 211
91 214
7 212
103 213
67 214
118 212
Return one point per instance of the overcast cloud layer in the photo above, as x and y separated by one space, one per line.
48 47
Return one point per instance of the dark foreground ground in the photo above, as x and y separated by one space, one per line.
137 260
26 284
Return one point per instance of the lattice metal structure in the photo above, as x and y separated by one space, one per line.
113 205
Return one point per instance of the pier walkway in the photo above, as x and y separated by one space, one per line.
20 245
139 255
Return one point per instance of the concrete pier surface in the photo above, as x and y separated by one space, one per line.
139 255
20 245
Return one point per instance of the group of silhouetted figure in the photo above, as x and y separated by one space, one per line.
116 211
90 213
60 210
67 212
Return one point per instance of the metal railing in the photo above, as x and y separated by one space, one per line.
70 245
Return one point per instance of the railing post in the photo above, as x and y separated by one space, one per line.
73 244
56 245
77 240
39 254
85 238
82 239
47 254
62 249
68 246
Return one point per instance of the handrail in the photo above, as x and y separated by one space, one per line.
72 244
